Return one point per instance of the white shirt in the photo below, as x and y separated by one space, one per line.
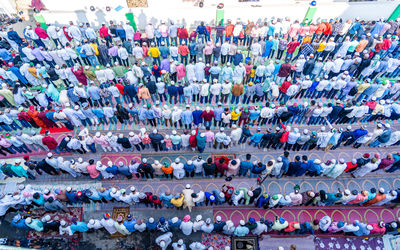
337 65
173 50
28 52
62 53
109 74
51 31
109 225
226 88
123 53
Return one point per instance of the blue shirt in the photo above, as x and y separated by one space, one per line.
130 225
215 70
98 112
197 117
245 165
187 117
149 113
257 137
164 51
188 168
172 90
106 194
218 113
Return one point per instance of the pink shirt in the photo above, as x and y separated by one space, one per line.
168 143
104 32
41 33
101 140
137 36
49 195
93 172
208 50
303 30
5 143
209 136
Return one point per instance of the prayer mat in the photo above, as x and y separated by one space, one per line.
55 130
348 243
229 156
119 211
57 216
216 241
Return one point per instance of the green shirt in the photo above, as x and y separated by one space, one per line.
119 71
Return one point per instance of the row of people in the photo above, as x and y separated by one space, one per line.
273 138
218 167
58 199
127 226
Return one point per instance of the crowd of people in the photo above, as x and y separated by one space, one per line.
348 66
252 83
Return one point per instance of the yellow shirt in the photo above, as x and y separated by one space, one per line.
252 73
321 47
235 116
177 202
362 87
154 52
96 48
378 109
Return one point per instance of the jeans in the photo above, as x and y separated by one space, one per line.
93 60
176 146
235 99
184 59
156 60
113 120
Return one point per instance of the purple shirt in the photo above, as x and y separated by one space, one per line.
113 51
165 65
36 53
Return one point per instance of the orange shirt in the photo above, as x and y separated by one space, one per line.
361 45
377 199
167 170
229 30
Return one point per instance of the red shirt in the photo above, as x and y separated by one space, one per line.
182 33
328 29
120 87
285 134
207 116
221 167
378 47
193 141
183 50
350 166
290 227
50 142
371 104
285 70
104 32
284 87
292 46
386 44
